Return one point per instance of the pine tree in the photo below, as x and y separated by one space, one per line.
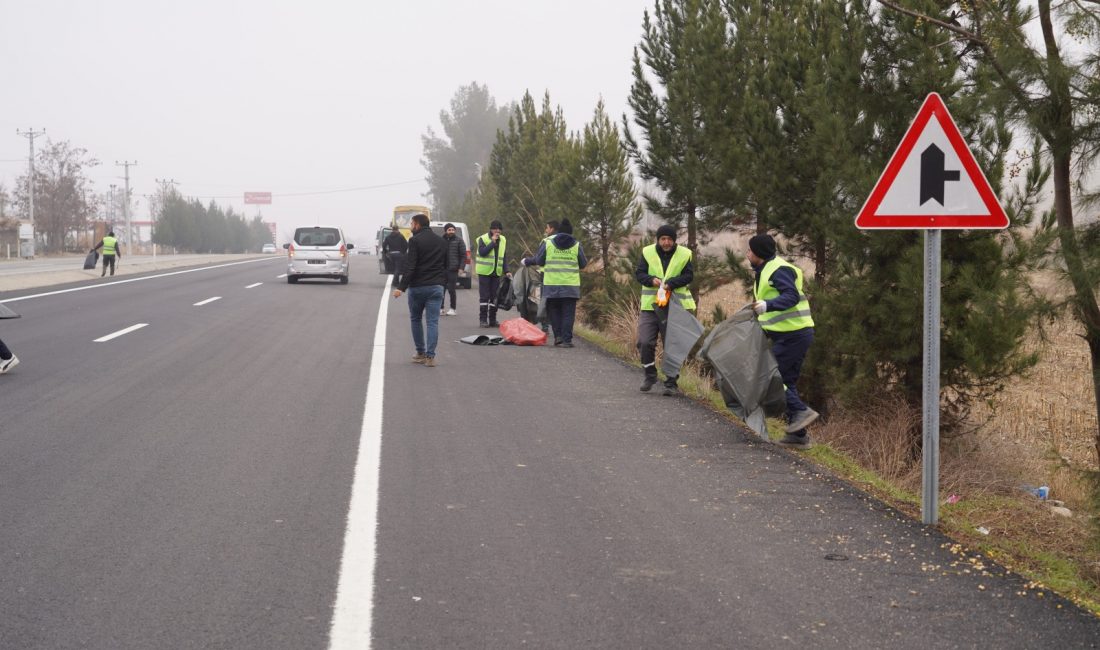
606 190
534 170
683 51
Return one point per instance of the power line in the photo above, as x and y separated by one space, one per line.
315 193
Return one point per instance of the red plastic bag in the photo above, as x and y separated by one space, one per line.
519 331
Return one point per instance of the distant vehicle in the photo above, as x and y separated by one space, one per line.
318 252
465 276
268 248
403 215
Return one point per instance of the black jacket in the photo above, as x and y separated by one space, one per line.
641 272
395 242
425 261
456 252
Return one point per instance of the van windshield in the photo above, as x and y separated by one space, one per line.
317 236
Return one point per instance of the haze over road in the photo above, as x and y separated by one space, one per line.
186 481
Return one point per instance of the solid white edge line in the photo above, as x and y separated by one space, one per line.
116 282
206 302
120 333
354 607
254 285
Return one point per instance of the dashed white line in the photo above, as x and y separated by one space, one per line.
256 284
354 608
207 301
120 333
280 276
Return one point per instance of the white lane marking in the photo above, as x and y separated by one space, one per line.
116 282
254 285
351 616
207 301
280 276
119 333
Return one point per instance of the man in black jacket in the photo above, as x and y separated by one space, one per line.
394 248
423 277
456 259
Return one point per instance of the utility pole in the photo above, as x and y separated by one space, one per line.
126 164
111 207
30 135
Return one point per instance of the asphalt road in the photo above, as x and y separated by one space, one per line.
187 485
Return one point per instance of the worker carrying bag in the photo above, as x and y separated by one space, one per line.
93 257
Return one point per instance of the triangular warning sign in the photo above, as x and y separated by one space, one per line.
932 181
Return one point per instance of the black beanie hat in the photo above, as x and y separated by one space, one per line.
565 227
496 224
666 231
450 225
763 246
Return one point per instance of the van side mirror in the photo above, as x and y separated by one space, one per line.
351 246
286 246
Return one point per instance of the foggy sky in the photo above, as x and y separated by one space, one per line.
231 96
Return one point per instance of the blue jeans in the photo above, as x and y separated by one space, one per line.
428 298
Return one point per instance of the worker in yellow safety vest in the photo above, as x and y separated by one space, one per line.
110 251
783 311
561 258
491 265
664 271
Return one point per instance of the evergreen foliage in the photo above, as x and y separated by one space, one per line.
453 160
606 194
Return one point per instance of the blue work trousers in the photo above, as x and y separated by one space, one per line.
424 302
790 350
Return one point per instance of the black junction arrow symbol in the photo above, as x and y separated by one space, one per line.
933 176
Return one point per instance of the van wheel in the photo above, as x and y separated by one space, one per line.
343 279
290 279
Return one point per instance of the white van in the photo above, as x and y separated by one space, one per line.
465 275
318 252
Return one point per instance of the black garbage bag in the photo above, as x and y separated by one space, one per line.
748 377
505 299
89 262
526 291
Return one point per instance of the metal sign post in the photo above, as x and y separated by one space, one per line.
930 418
932 182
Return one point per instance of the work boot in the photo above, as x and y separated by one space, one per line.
801 419
557 341
648 383
796 441
671 389
419 358
429 361
483 315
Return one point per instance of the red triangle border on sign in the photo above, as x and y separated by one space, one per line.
933 106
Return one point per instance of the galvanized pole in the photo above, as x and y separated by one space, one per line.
930 482
30 135
126 205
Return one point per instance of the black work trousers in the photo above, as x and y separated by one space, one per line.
108 260
651 324
562 312
487 288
